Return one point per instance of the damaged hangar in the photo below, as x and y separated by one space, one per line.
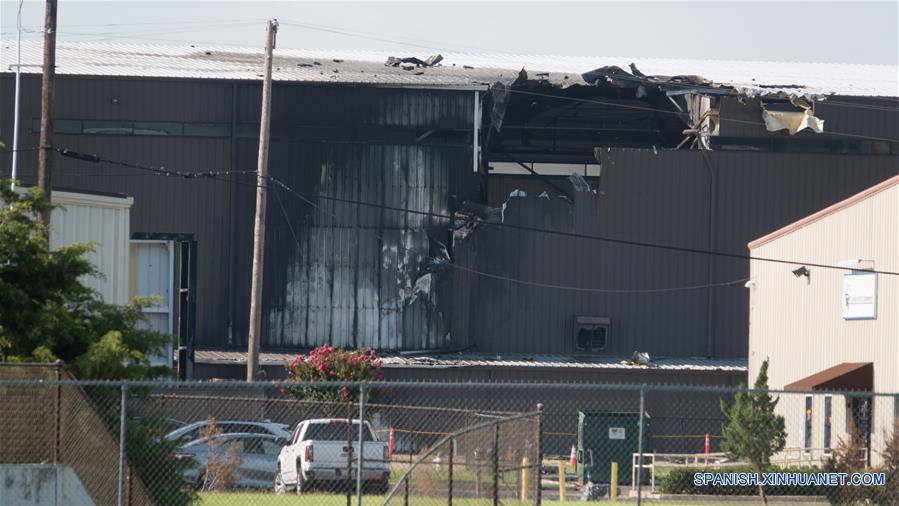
411 188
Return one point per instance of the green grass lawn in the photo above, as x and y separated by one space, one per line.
321 499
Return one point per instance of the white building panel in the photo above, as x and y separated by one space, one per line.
102 221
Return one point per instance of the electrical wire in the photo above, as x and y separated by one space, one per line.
20 150
306 198
279 184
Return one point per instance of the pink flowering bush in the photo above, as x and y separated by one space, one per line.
327 363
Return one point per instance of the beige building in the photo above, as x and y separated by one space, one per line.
831 329
103 221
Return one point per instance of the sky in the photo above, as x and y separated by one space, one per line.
807 31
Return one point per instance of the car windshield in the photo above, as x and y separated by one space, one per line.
334 431
227 428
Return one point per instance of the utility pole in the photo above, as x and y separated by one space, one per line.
15 123
259 227
45 157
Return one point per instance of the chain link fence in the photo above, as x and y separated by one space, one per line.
224 443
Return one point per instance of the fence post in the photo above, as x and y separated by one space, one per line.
57 413
496 464
477 473
640 443
538 498
122 425
452 451
360 459
349 450
406 491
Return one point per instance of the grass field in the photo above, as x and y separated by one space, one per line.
263 499
251 499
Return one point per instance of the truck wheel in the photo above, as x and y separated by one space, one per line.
381 487
302 485
280 486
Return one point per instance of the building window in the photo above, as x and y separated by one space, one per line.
207 130
158 128
150 128
591 333
104 127
60 126
808 422
828 418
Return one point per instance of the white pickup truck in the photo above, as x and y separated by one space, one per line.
318 455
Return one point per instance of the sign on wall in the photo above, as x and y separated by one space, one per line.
859 296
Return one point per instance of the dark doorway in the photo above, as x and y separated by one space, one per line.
861 422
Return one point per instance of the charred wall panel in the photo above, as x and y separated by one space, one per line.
350 275
659 198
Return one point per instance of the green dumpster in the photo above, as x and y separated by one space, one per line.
604 437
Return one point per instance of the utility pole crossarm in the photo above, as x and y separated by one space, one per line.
254 336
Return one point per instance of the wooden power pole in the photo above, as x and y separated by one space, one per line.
45 156
259 227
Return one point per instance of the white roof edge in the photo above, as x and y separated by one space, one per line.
457 71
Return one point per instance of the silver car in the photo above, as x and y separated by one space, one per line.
258 455
192 431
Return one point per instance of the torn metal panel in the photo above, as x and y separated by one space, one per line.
792 121
579 182
413 62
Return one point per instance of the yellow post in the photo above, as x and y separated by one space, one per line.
524 478
613 487
561 481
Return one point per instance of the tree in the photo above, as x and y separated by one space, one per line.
754 432
848 457
48 314
326 363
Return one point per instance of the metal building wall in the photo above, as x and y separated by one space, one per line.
660 198
793 317
347 274
797 324
854 116
161 204
368 136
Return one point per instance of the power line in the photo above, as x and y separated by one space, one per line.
303 196
20 150
516 280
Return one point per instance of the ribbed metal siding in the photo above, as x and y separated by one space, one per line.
103 221
797 324
410 176
161 204
657 198
794 317
347 286
848 115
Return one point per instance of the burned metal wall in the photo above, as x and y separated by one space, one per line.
352 275
664 197
341 272
348 279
